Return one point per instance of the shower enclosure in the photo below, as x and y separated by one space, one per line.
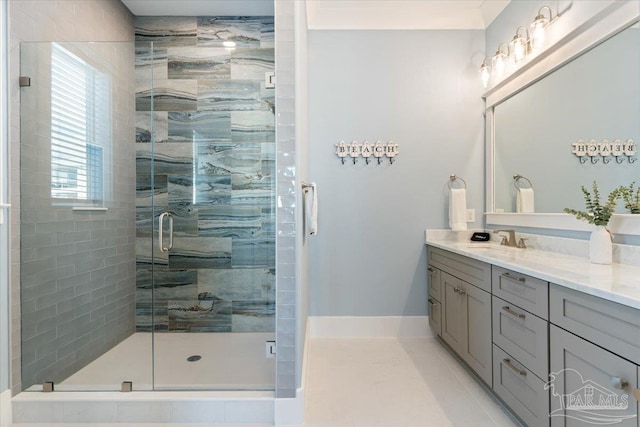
148 208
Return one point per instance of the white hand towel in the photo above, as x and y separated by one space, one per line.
312 211
525 200
458 209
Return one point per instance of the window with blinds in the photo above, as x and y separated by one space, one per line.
80 130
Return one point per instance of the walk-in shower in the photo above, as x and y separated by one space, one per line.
148 208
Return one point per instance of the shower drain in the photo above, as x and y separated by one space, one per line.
194 358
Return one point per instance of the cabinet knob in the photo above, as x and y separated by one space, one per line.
619 383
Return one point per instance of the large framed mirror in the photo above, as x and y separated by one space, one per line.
586 87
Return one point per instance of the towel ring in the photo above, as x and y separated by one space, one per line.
516 180
453 178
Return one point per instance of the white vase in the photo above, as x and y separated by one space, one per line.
600 246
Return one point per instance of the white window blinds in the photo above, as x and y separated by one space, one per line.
80 128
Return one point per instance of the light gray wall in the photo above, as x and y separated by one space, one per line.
4 191
45 20
420 89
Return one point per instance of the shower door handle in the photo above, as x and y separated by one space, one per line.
164 215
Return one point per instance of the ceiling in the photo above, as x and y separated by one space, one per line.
344 14
200 7
402 14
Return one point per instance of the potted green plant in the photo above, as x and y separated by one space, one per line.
598 214
631 198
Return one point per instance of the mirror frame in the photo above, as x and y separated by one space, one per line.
613 19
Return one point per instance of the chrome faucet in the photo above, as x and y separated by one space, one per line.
510 241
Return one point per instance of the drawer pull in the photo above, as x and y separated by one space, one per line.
459 291
431 270
512 312
512 278
507 362
430 301
619 383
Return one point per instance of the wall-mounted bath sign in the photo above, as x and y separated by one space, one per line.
605 150
365 149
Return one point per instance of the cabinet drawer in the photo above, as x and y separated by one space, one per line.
613 326
434 283
471 271
435 316
522 335
527 292
522 391
583 375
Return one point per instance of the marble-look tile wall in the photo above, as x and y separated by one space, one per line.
205 152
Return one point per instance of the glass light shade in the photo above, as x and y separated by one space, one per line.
499 63
518 48
485 74
538 32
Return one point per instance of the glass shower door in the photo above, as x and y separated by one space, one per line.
207 165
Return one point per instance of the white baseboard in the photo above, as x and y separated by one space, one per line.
5 409
290 412
363 327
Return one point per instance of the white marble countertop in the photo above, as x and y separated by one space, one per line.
617 282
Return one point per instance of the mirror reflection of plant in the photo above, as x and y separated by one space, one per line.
631 197
596 213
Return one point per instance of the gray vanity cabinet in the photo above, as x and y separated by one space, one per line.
460 287
583 372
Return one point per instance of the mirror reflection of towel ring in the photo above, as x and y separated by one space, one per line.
516 180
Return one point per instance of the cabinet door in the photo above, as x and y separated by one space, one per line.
434 283
453 308
435 316
476 349
589 385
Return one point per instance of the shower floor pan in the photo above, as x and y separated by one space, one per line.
228 361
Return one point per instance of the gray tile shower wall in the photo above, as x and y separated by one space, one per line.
205 152
77 267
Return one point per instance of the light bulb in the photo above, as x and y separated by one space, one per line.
538 32
518 48
485 74
538 28
499 63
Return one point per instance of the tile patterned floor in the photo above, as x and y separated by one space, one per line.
385 382
390 382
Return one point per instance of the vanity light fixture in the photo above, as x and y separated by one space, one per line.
519 45
499 60
525 42
538 28
485 72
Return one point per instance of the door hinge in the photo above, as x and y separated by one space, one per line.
270 349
